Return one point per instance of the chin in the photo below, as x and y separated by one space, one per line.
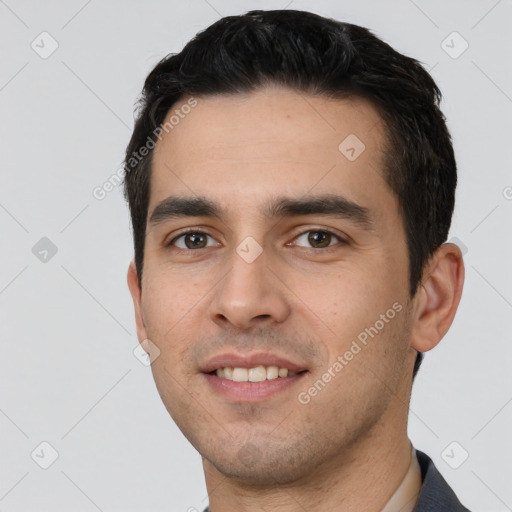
263 464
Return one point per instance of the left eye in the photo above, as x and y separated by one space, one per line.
318 239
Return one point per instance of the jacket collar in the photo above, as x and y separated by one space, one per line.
436 495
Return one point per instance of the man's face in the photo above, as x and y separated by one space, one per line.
291 287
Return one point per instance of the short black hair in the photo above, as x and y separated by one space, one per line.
319 56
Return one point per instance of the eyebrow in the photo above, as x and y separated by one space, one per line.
330 205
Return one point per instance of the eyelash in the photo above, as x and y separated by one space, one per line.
329 248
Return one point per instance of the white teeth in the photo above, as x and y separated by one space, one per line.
240 374
272 372
256 374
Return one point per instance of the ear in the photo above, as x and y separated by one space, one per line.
438 297
133 285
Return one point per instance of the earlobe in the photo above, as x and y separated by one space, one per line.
135 291
438 297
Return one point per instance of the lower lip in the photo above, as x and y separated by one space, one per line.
251 391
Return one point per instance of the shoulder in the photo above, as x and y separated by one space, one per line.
436 495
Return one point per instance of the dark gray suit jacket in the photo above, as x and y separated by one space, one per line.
436 495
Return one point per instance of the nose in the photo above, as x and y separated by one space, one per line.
250 295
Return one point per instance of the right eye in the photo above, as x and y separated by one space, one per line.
192 240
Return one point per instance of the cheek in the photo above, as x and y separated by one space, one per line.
167 298
363 313
349 298
166 306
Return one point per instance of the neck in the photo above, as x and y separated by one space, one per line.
363 477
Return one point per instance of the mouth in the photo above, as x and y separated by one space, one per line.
251 378
255 374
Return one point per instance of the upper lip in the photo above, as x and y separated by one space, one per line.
231 360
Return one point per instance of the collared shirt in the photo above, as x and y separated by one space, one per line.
405 497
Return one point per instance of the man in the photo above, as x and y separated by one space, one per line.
291 183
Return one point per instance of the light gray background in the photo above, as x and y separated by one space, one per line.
68 373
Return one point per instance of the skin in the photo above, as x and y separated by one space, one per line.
347 449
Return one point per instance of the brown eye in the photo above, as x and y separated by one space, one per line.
192 240
318 239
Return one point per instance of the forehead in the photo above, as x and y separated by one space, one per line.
242 148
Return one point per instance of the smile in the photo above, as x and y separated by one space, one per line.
256 374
